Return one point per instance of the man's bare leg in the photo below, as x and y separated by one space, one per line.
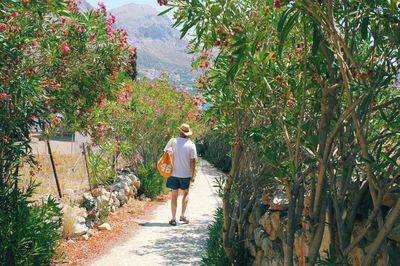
174 203
185 200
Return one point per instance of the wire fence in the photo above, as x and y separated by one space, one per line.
67 167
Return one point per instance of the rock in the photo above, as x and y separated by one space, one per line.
259 257
124 180
107 195
122 197
91 232
92 222
124 186
266 245
134 191
112 208
80 229
97 192
116 186
104 227
136 184
271 224
280 202
128 192
87 195
266 199
80 219
142 196
116 203
258 235
85 237
71 241
253 249
90 205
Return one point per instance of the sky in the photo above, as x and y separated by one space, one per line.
117 3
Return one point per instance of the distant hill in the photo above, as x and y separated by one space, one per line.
160 50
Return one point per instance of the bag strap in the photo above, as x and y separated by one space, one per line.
172 142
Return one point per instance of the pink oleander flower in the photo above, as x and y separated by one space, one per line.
33 118
122 97
158 110
112 19
91 38
34 43
103 7
3 96
110 30
65 48
190 116
14 14
180 105
3 26
61 19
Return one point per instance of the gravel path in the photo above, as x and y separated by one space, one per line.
158 243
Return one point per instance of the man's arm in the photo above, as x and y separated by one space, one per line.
192 169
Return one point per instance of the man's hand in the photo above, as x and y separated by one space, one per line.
192 179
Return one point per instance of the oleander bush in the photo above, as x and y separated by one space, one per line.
29 233
56 65
308 94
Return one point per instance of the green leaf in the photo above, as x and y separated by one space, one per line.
285 25
165 11
316 39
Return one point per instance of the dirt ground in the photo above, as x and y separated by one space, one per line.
123 222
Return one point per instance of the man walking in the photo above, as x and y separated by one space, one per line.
184 163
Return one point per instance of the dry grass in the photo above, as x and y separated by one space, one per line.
70 179
69 220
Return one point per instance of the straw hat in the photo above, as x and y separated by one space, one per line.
186 130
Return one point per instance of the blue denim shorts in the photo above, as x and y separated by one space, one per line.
178 183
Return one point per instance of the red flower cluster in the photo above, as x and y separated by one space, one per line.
51 84
277 3
5 97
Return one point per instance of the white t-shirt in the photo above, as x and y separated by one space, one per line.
183 150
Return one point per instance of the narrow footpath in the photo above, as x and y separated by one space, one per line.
158 243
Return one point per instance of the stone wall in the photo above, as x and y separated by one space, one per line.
266 226
82 212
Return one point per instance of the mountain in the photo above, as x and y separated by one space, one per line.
160 50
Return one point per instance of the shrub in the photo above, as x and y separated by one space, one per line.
215 255
28 233
101 170
152 183
104 211
216 149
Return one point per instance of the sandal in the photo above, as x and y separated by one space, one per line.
172 222
184 220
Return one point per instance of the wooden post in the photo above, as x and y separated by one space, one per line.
54 168
87 165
